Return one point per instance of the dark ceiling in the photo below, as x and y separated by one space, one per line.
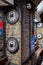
37 2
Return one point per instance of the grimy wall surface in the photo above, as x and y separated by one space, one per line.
20 31
40 30
14 31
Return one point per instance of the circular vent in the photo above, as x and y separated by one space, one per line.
12 45
12 16
39 36
39 25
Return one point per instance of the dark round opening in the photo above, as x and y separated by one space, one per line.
11 15
11 45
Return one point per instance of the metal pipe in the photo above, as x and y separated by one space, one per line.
40 7
38 12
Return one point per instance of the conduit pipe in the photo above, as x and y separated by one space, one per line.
38 12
